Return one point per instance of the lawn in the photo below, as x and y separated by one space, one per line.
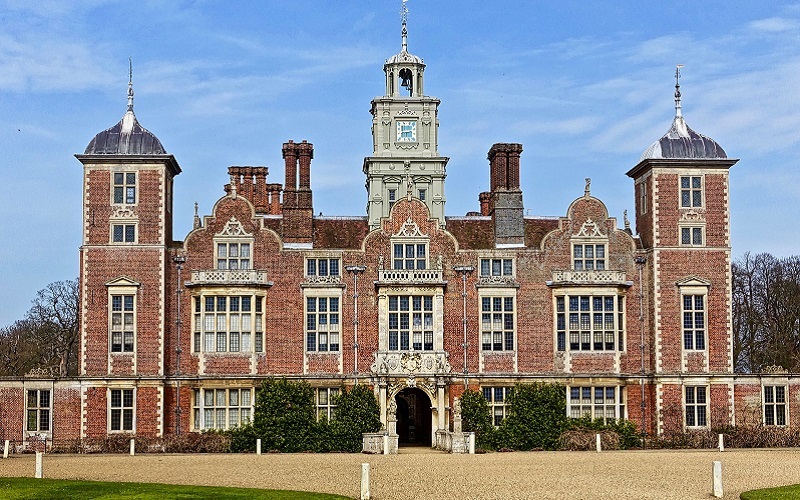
781 493
17 488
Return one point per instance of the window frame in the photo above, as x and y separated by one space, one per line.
123 312
124 410
770 392
42 411
242 263
129 235
506 267
504 296
315 263
416 244
698 335
691 191
595 245
394 316
563 321
316 296
693 231
497 408
692 406
324 406
206 333
200 409
577 408
124 187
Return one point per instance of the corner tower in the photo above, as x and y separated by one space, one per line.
405 160
127 231
683 218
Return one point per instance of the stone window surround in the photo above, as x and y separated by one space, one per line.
199 408
497 293
620 316
699 409
198 320
123 409
318 293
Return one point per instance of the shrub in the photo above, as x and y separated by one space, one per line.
477 417
625 437
357 411
242 438
536 417
284 416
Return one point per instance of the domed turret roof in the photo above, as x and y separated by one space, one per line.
127 137
404 57
680 141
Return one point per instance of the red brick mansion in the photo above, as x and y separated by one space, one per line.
177 334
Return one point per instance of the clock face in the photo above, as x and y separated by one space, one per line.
406 131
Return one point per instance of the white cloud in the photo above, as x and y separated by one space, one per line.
775 24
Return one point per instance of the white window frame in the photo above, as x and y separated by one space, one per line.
42 413
123 409
235 408
330 329
126 225
124 186
588 404
224 260
406 243
421 331
580 260
323 402
565 329
314 267
691 190
121 329
497 399
496 267
695 331
207 330
776 400
694 408
504 296
695 232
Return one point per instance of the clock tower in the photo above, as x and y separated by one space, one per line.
405 160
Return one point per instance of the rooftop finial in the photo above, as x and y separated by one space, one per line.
404 18
130 84
678 90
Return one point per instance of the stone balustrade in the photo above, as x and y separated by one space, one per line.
229 277
410 276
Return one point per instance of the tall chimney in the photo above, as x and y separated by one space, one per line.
505 201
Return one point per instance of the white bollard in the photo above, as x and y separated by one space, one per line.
386 443
133 447
716 479
471 443
39 471
258 446
598 443
5 449
721 442
364 481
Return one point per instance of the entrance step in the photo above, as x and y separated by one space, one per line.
418 450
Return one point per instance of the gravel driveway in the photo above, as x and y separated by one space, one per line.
421 473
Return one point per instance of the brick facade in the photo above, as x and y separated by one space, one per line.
261 287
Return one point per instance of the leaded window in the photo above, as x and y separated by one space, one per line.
691 191
590 322
497 267
497 323
228 323
121 410
775 405
322 324
123 323
596 402
588 257
221 409
38 410
409 256
694 322
411 322
324 402
696 406
498 406
125 188
233 255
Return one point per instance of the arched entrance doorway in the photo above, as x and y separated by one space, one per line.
413 417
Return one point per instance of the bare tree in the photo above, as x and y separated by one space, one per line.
53 317
18 352
766 312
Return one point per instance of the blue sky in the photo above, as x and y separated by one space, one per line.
585 86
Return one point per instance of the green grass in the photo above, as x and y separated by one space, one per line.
782 493
18 488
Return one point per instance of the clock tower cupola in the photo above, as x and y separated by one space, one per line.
405 159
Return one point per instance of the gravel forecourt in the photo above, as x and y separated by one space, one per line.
423 473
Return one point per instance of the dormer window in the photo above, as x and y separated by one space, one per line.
410 256
233 255
588 257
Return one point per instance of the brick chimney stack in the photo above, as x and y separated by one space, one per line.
504 202
298 207
251 183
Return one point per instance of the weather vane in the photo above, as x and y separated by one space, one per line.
678 89
130 84
404 12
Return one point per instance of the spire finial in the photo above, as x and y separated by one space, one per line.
404 18
678 90
130 84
